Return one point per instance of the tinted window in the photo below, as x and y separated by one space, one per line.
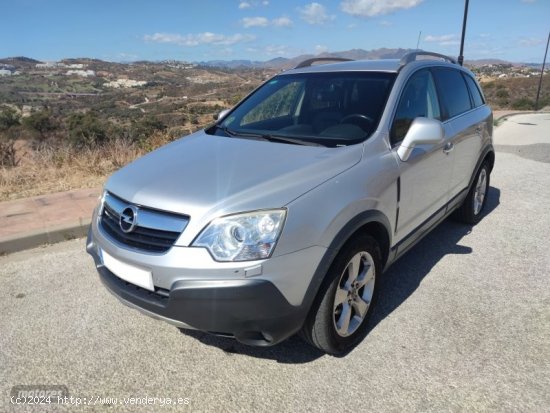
277 105
419 99
474 90
339 108
452 92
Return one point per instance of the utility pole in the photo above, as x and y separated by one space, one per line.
461 55
542 73
418 41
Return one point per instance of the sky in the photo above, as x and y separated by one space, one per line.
199 30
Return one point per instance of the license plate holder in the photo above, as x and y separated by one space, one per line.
134 275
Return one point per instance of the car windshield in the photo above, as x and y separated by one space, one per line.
330 109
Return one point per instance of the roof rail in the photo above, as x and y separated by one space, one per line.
309 62
411 57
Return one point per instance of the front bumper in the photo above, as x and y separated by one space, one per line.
254 311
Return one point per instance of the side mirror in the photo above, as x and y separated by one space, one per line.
221 115
423 131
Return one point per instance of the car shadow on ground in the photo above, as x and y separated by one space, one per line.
397 284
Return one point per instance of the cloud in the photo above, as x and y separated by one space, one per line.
226 51
370 8
252 3
127 56
282 21
443 40
277 50
315 13
321 49
254 22
197 39
530 41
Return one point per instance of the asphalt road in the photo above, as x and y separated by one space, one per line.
463 323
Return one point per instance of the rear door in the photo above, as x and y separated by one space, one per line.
465 123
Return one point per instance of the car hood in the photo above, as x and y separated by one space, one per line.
206 175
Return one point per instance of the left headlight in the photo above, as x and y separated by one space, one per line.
243 237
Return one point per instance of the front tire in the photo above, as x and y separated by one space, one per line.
470 211
339 316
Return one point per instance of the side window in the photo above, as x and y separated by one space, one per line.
452 92
474 90
419 99
277 105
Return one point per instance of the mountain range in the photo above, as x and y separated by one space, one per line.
354 54
280 62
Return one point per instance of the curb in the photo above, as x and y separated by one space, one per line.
519 113
44 236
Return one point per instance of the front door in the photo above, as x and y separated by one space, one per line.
426 175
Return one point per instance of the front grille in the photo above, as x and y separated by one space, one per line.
154 231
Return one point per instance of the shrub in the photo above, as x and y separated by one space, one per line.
8 156
8 118
87 129
41 122
523 104
502 94
141 130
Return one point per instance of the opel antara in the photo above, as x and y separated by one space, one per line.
281 217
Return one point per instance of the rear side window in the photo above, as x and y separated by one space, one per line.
453 92
474 90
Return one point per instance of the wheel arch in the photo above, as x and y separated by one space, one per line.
488 155
371 222
490 158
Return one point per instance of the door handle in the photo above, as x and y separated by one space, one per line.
449 146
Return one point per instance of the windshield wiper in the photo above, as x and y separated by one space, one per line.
286 139
268 137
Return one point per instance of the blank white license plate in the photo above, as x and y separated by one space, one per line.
134 275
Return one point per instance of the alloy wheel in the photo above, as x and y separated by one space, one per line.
354 294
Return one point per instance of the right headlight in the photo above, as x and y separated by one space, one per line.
243 237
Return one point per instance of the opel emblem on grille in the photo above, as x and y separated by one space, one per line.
128 219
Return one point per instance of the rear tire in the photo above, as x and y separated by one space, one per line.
470 211
339 316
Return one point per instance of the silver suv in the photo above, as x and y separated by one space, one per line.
281 217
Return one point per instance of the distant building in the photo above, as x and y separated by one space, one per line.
82 73
50 65
125 83
5 72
